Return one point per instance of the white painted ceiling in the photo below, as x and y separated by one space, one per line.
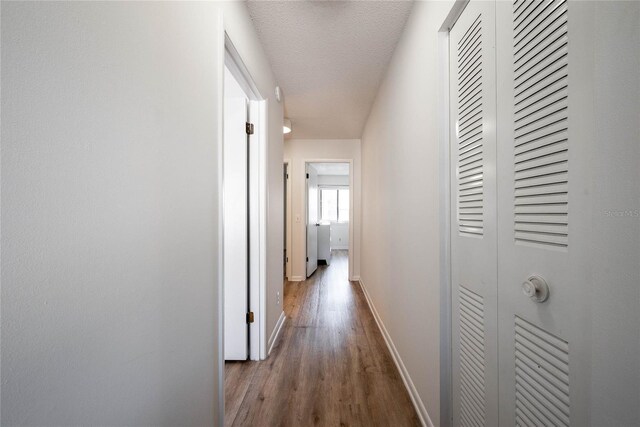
329 58
331 168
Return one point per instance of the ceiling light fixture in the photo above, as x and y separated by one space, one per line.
286 127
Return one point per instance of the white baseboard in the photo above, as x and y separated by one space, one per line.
296 279
404 374
355 279
340 248
276 332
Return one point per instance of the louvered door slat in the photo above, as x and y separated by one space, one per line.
540 44
472 356
469 131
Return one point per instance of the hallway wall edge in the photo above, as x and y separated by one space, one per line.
419 406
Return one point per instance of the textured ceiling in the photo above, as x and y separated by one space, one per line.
329 58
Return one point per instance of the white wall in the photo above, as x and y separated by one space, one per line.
110 117
400 228
333 180
339 236
298 151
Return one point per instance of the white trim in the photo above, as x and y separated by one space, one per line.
296 279
259 351
352 224
276 331
452 17
264 209
446 410
288 220
220 57
425 420
256 227
234 62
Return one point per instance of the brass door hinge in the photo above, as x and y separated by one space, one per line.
249 128
250 317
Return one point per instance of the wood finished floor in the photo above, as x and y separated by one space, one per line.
330 366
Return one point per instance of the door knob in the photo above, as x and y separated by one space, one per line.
536 288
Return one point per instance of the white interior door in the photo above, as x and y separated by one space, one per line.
312 219
473 235
236 236
568 198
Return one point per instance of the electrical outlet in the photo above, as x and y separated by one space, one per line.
278 298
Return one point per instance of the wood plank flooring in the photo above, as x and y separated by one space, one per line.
330 366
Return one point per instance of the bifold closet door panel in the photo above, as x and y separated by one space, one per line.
473 198
567 152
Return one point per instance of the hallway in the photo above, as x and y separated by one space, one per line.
330 366
172 172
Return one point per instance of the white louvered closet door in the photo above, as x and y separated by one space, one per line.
545 174
568 160
473 210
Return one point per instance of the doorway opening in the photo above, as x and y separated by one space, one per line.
329 211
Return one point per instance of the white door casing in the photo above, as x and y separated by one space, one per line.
312 219
236 243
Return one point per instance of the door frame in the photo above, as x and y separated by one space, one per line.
444 143
306 223
257 206
351 213
287 225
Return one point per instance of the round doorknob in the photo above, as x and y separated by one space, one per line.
529 289
536 288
